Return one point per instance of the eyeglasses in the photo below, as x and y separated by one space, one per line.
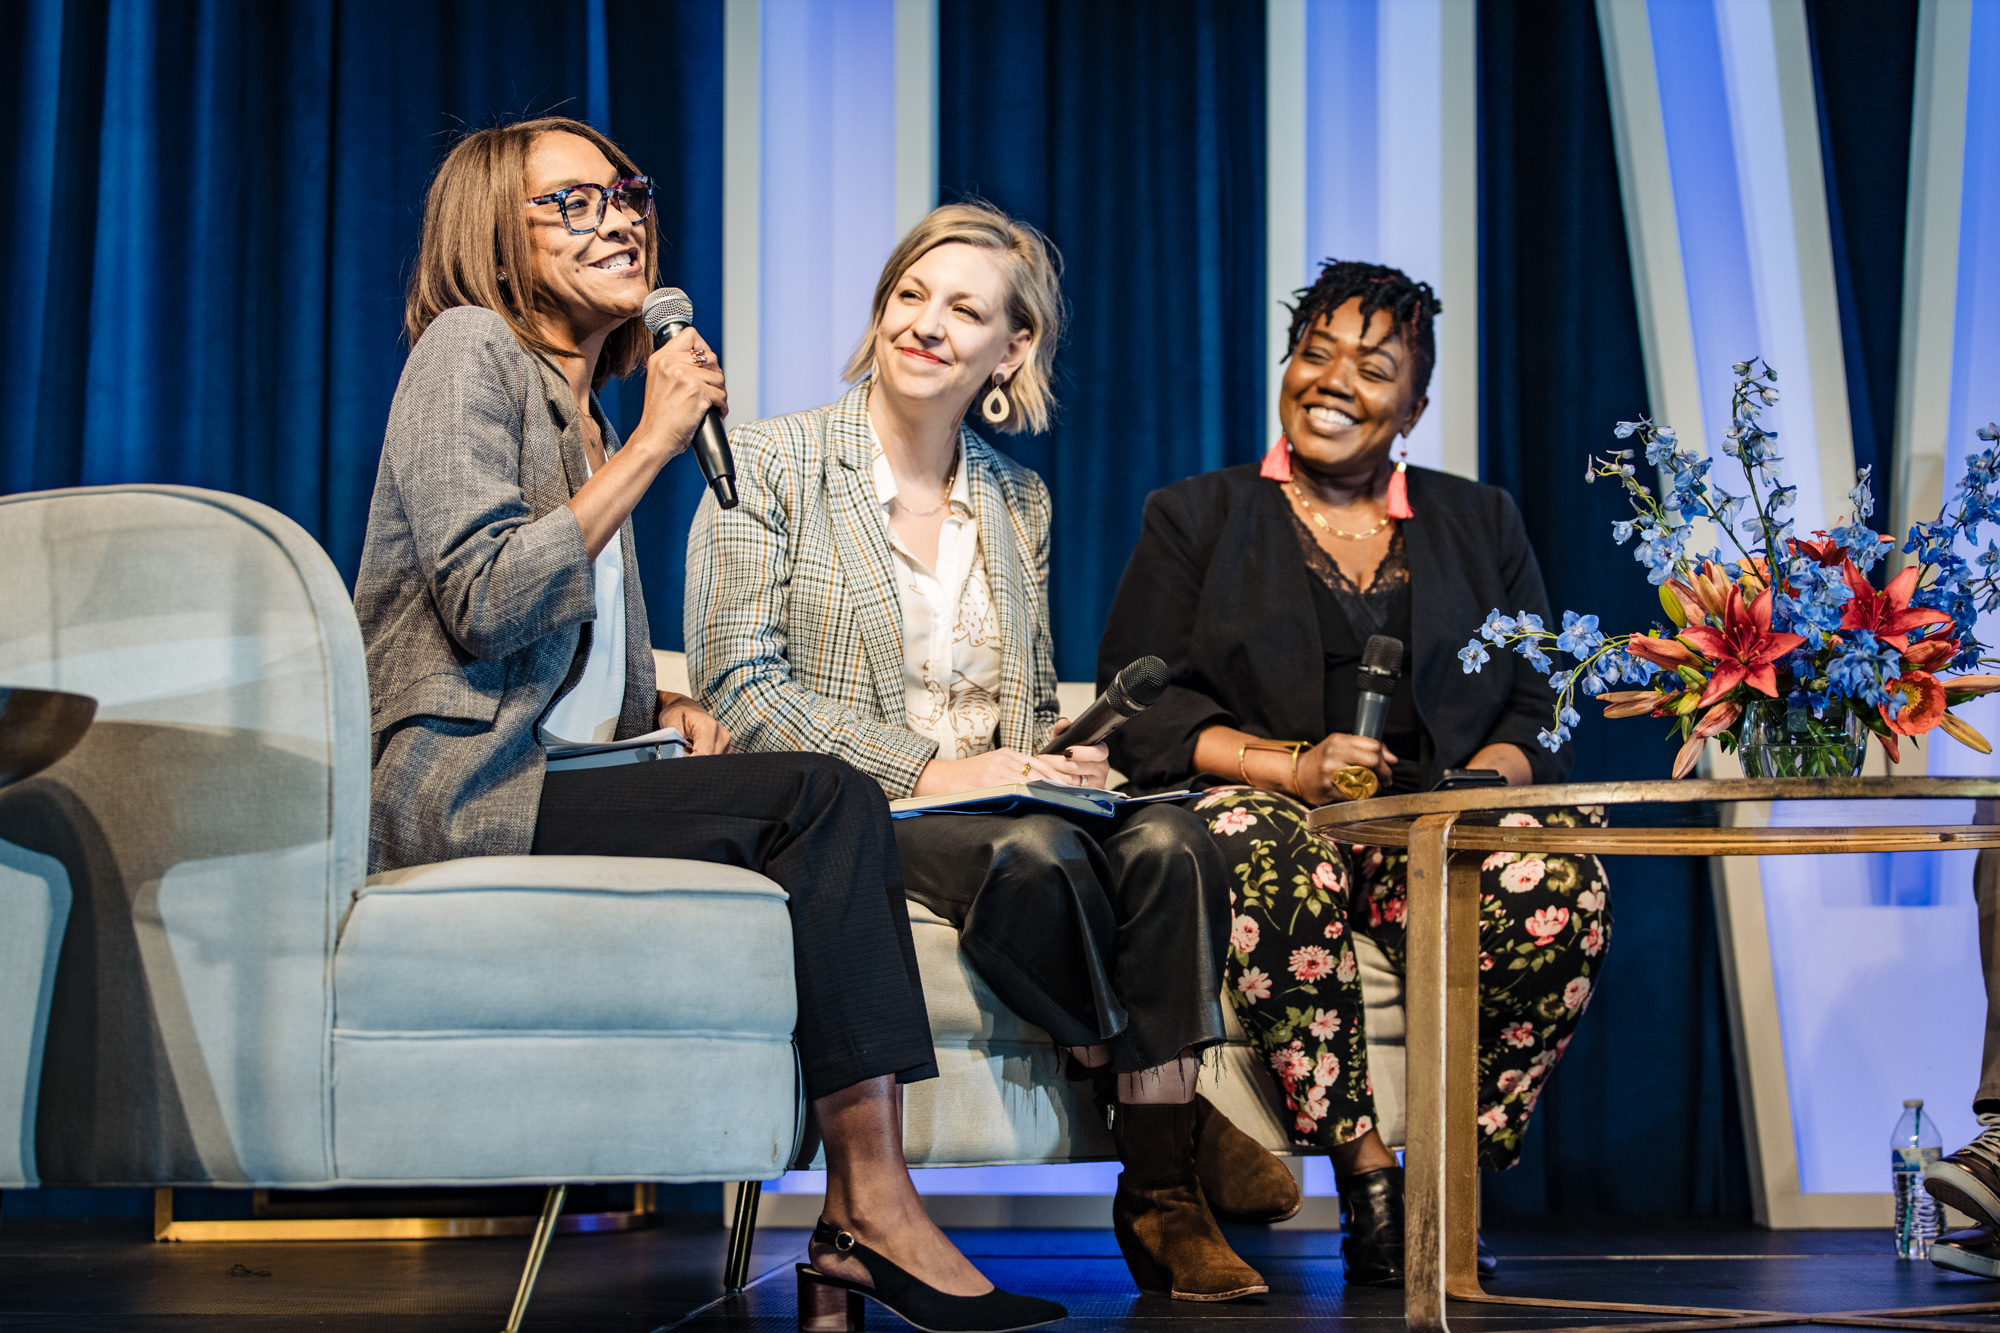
582 206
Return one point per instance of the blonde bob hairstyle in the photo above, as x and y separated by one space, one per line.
476 251
1032 270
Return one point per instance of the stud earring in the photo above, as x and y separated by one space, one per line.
996 408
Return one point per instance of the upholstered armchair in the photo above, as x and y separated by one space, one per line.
233 1003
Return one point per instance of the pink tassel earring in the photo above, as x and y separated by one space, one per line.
1278 462
1399 488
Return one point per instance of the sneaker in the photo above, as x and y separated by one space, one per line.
1975 1250
1969 1179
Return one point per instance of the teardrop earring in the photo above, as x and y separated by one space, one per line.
996 408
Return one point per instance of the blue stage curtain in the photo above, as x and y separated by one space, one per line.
1132 132
1865 72
216 208
1642 1114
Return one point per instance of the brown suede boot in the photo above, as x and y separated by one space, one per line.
1169 1238
1243 1181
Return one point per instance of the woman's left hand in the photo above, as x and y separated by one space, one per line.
705 735
1509 759
1084 765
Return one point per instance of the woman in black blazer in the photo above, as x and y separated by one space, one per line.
1259 586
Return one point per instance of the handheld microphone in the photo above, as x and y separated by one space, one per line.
1132 691
667 311
1381 665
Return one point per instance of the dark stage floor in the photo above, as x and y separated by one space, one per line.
99 1276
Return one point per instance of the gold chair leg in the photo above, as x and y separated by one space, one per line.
742 1234
537 1248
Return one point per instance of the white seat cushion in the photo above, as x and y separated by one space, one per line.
543 1018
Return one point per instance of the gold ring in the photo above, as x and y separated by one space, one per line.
1026 768
700 357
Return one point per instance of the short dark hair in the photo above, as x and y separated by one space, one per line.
1411 306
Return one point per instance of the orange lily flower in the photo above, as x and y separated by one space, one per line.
1827 553
1887 614
1631 703
1973 685
1930 654
1744 649
1716 721
1923 703
1669 653
1964 733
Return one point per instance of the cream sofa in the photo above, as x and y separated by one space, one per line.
1001 1098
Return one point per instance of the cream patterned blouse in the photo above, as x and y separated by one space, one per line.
951 639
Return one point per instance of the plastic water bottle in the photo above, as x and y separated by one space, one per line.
1914 1146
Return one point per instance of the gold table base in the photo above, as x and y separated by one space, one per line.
643 1213
1441 1157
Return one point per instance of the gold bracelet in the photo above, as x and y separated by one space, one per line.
1256 743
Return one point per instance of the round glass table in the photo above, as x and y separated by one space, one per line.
1447 834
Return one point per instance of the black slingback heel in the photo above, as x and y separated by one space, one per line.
833 1305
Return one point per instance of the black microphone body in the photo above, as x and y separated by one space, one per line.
1132 692
668 311
1381 664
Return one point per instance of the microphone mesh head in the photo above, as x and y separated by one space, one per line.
1383 654
1145 681
664 306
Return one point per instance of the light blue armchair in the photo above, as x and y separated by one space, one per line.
236 1004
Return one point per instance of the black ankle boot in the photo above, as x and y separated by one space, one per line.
1371 1228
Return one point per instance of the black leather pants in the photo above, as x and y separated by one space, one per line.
1101 931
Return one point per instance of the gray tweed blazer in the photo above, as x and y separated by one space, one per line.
794 630
475 594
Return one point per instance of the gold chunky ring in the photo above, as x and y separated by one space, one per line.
1026 769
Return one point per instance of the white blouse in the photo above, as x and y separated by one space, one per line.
951 638
590 711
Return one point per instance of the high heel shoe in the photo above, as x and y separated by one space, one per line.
833 1305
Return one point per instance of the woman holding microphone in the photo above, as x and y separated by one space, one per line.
500 605
882 595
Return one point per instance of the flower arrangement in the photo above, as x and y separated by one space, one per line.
1779 645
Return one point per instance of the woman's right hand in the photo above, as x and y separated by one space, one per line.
679 393
996 768
1340 750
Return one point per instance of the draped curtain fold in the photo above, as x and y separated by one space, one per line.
1642 1115
208 288
1132 133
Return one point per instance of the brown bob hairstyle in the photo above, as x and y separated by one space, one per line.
476 251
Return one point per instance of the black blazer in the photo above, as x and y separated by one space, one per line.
1217 588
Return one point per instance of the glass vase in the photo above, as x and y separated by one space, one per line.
1779 740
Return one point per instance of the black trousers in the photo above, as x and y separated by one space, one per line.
821 829
1103 930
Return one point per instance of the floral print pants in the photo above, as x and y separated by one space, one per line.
1292 973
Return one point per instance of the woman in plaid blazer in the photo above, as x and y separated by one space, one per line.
881 594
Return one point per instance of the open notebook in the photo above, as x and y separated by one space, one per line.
1015 797
666 743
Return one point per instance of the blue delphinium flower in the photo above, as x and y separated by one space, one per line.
1623 430
1497 627
1579 637
1537 659
1621 532
1864 668
1862 497
1474 656
1550 740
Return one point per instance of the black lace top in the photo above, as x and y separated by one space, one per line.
1348 615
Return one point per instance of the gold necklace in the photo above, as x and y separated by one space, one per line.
944 495
1314 514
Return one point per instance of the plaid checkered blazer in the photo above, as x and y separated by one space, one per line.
794 629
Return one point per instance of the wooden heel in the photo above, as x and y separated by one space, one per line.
825 1308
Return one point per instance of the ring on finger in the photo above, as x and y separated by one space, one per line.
700 357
